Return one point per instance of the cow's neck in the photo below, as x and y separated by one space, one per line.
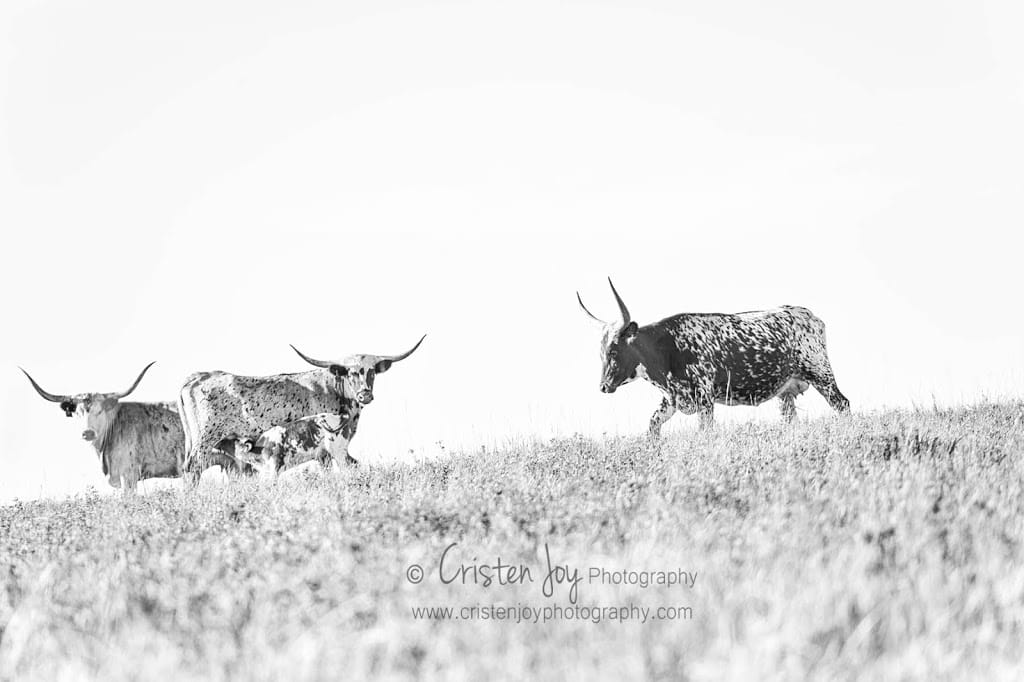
653 366
347 406
103 427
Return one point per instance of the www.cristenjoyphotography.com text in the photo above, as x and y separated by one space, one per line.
616 340
524 613
559 587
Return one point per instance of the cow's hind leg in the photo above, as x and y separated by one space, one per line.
787 406
821 377
660 416
816 368
189 476
706 414
203 456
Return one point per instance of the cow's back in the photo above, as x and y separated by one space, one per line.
748 354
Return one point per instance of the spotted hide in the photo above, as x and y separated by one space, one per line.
132 440
218 406
699 359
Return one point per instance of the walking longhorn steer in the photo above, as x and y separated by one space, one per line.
133 440
219 406
699 359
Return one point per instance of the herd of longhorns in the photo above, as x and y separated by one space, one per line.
266 424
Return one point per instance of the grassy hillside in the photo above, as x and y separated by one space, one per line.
879 546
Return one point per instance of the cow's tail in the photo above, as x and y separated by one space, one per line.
187 412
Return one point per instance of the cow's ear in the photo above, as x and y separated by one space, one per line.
629 331
382 366
339 370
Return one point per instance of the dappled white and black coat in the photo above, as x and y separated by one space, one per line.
699 359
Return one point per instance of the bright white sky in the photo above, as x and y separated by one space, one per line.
203 183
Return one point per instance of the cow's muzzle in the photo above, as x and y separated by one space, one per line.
88 434
607 388
364 397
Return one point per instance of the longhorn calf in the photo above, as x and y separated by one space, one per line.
132 440
699 359
219 406
319 437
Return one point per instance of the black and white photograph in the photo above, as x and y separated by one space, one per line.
468 340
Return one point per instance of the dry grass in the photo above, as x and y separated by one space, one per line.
882 546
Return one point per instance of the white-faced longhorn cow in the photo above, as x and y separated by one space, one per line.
133 440
699 359
219 406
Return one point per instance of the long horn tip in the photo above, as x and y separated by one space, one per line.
53 397
622 306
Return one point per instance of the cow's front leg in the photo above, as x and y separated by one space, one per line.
336 456
660 416
337 467
128 483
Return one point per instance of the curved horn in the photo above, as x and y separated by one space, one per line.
135 385
591 315
622 306
49 396
315 363
403 356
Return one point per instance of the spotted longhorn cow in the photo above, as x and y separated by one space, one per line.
132 440
219 406
699 359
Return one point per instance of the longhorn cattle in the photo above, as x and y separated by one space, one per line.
317 437
132 440
699 359
218 405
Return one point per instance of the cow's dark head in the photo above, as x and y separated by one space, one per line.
99 409
620 358
358 372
